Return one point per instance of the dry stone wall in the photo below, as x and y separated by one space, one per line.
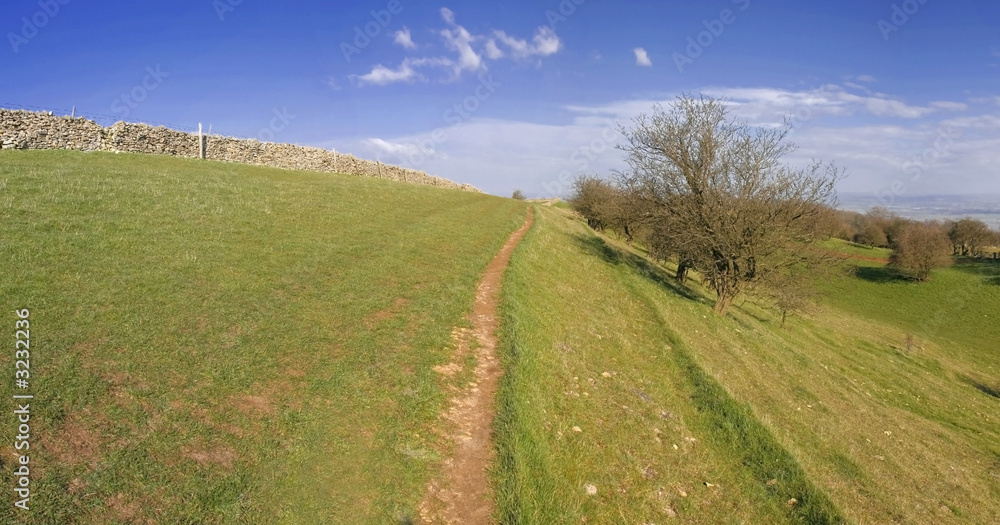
21 129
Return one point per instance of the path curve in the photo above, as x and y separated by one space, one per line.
462 495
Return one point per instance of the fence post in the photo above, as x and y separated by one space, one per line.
201 143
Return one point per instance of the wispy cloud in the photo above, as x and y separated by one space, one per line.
402 37
545 43
873 136
396 149
641 57
949 106
470 52
381 75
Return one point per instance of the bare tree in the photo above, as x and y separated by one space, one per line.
790 290
590 195
606 206
921 247
518 194
717 186
969 236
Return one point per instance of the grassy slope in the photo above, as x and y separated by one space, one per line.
217 343
888 435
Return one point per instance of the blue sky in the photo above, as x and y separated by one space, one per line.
905 95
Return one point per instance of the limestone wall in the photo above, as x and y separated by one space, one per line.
31 130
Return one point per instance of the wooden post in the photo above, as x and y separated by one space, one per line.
336 156
201 143
379 164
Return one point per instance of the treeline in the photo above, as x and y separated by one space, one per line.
879 227
711 193
918 246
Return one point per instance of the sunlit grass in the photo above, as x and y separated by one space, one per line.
217 343
888 433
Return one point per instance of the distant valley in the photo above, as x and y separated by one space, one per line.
983 207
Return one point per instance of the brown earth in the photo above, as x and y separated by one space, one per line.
462 493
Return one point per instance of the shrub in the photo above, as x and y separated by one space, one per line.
920 248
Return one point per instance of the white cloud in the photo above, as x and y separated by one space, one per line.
498 155
471 52
395 149
829 100
883 107
949 106
460 41
381 75
402 37
492 51
985 100
546 43
448 15
858 87
332 82
641 57
865 78
978 122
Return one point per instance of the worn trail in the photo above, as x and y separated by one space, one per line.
462 494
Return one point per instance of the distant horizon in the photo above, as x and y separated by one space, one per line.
942 206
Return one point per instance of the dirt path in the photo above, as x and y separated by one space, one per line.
463 494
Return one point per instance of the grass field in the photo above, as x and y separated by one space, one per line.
218 343
685 414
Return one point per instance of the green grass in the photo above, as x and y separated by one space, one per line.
833 408
958 305
586 345
218 343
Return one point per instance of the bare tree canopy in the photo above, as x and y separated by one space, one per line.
718 189
921 247
969 236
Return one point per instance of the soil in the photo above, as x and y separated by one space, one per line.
462 494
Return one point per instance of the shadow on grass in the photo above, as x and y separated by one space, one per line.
880 274
594 245
988 269
982 387
734 426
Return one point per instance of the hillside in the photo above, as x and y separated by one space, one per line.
220 343
627 400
